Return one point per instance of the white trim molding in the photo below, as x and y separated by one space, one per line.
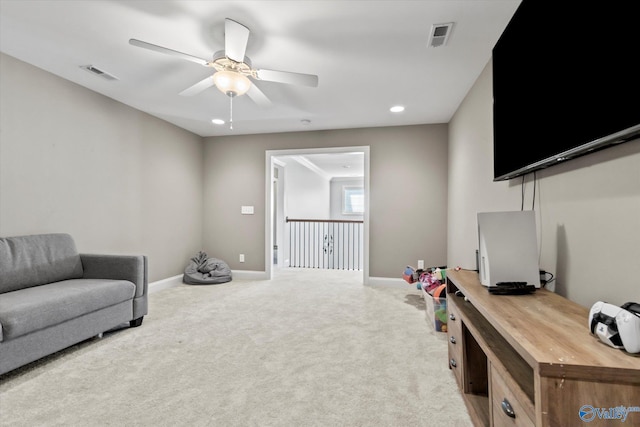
175 281
169 282
249 275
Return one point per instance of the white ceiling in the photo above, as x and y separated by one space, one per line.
330 165
368 55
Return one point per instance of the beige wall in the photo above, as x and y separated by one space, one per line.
121 181
408 191
116 179
587 209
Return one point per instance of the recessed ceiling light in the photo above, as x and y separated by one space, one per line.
397 109
305 122
217 121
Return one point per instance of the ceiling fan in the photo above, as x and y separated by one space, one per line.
232 68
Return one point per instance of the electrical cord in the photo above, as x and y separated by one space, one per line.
533 201
522 194
547 281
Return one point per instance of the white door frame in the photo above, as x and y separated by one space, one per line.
268 233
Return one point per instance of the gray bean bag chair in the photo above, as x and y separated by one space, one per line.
203 270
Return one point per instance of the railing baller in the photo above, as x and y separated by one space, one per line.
326 243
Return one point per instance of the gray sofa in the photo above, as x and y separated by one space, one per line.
52 297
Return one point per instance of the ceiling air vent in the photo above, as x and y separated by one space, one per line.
440 34
98 72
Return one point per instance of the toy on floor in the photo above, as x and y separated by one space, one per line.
411 276
432 283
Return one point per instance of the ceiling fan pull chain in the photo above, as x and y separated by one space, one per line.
231 112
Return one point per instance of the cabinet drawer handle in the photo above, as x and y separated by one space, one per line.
452 340
453 363
452 316
506 407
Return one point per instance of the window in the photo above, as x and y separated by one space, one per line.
352 200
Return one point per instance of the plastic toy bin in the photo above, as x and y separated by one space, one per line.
436 311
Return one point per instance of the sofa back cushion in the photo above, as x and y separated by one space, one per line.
27 261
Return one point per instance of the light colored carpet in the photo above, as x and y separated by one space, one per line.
308 348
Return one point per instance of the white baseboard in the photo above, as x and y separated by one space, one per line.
248 275
169 282
389 282
172 282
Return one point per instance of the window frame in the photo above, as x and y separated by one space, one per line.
349 190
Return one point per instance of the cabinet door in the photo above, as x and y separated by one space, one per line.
507 410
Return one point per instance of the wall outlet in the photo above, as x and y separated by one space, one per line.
241 257
420 264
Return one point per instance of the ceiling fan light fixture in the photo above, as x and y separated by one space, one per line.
231 83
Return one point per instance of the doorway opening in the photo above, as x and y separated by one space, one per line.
277 249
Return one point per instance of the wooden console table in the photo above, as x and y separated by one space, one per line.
530 360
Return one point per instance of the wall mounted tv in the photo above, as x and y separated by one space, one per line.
565 83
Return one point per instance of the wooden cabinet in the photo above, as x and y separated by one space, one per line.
529 360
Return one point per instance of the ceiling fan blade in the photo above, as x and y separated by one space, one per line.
236 37
258 96
288 77
198 87
145 45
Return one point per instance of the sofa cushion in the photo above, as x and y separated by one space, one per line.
35 308
27 261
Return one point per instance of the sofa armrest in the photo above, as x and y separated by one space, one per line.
120 267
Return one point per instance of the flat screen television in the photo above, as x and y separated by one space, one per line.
565 83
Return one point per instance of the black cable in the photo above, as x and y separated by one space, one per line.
533 201
522 194
551 279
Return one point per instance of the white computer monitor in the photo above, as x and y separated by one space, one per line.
508 248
